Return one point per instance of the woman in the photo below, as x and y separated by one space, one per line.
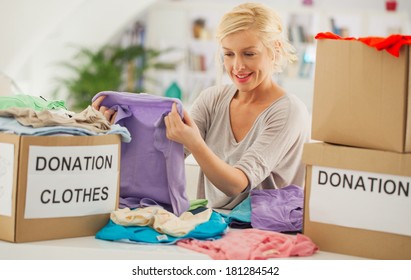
249 134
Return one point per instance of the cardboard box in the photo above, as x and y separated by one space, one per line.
54 187
358 201
362 96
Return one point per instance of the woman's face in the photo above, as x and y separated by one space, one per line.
247 60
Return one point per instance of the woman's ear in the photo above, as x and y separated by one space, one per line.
277 49
277 46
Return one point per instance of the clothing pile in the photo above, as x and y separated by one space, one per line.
35 116
155 225
202 230
270 223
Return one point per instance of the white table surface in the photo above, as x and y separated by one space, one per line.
89 248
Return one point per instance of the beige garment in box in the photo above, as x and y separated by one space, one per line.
362 96
332 236
51 202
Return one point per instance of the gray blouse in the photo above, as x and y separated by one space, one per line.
269 155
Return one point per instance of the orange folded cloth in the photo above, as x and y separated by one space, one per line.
392 44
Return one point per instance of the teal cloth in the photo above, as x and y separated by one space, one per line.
210 230
28 101
241 213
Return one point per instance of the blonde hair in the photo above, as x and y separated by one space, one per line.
268 25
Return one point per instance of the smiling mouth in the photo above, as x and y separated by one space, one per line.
243 76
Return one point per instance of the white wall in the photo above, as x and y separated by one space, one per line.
34 35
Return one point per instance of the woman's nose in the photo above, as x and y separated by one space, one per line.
238 64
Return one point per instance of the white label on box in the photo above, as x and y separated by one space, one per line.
68 181
6 178
357 199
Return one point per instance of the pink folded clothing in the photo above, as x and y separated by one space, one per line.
253 244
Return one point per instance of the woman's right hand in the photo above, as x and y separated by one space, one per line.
109 114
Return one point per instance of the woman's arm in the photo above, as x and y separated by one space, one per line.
228 179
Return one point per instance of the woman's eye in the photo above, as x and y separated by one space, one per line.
249 54
228 54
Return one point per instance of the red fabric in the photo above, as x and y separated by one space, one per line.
392 44
330 35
